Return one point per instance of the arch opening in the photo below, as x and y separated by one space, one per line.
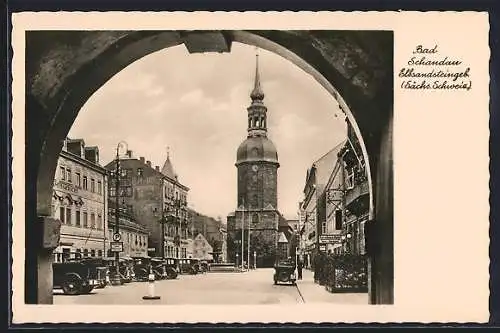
133 48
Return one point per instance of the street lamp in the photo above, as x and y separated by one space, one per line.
349 242
118 173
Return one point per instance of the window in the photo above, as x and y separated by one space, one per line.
77 214
85 220
139 172
92 220
65 254
62 215
85 184
92 185
62 171
112 192
69 176
78 179
99 222
85 252
349 182
99 253
338 219
99 187
68 215
92 253
323 228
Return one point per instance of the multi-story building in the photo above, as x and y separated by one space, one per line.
313 207
133 235
342 203
214 232
202 249
357 195
79 201
257 198
158 201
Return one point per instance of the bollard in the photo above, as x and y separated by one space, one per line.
151 288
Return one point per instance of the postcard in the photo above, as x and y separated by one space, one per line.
235 167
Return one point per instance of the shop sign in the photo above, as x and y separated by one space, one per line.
330 239
116 246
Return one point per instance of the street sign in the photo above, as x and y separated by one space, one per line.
116 246
330 239
117 237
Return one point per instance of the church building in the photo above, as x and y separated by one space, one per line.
257 199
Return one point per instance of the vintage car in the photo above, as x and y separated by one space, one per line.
284 271
78 276
188 266
143 266
204 266
171 268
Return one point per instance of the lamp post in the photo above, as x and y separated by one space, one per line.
118 171
348 241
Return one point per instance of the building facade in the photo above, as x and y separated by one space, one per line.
133 235
158 201
313 208
202 249
333 213
79 201
357 195
257 198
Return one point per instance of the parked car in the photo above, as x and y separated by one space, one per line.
78 276
171 267
188 266
204 266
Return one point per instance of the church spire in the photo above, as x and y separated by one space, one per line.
257 93
257 118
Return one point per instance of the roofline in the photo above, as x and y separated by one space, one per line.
83 161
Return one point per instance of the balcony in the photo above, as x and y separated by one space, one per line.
356 197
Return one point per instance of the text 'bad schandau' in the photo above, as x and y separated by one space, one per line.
428 70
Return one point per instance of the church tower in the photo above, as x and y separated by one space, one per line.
257 199
257 158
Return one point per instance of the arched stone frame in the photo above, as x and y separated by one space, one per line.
130 46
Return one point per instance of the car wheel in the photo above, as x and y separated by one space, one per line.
87 289
72 286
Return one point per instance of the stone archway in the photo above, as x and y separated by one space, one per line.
64 68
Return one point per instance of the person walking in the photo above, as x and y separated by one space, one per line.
299 269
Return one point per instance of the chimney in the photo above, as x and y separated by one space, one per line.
129 153
142 159
92 154
148 163
76 147
157 168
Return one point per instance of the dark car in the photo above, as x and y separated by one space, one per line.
143 266
171 267
188 266
284 271
204 266
78 277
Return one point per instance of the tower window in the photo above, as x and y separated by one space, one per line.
257 122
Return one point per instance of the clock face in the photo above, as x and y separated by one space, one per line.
255 168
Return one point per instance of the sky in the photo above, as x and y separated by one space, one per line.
195 104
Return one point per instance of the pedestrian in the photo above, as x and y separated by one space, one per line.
299 269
